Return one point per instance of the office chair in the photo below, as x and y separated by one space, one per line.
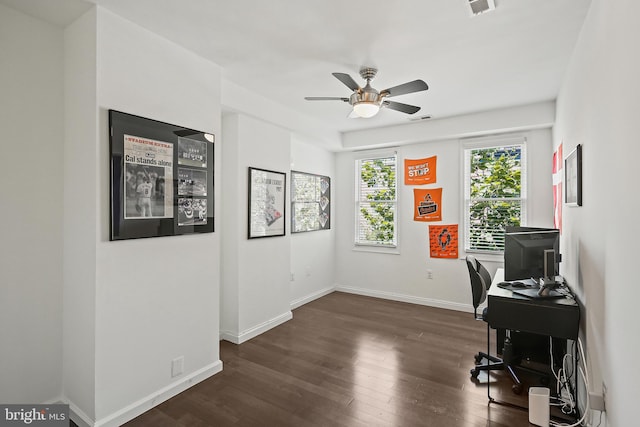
480 283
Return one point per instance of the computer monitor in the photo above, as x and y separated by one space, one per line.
531 253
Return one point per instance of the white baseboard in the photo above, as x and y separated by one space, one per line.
430 302
141 406
78 416
306 299
246 335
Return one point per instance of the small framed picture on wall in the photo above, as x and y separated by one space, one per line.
310 202
266 203
573 177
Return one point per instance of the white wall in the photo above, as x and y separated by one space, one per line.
153 303
133 306
80 217
257 291
598 107
540 115
256 271
240 100
403 276
232 232
31 169
312 253
307 150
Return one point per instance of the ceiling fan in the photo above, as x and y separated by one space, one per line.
367 101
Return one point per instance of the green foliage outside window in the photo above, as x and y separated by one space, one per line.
495 195
377 201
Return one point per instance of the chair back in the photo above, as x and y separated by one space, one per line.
484 273
478 286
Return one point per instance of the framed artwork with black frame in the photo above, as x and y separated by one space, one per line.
573 177
161 178
266 203
310 202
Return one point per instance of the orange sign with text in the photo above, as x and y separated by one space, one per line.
443 241
427 204
420 171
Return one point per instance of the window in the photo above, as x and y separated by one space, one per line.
495 192
376 203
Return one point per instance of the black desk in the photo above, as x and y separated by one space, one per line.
558 318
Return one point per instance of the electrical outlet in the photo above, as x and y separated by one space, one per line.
429 274
596 402
177 366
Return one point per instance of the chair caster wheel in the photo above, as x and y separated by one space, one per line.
478 359
517 388
474 373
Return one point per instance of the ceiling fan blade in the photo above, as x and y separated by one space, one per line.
326 98
347 80
410 87
404 108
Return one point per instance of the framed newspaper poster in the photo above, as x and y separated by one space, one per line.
161 178
266 203
310 202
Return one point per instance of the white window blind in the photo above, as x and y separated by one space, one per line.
494 190
376 203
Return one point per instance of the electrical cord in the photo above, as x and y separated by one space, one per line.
584 416
562 381
586 384
600 420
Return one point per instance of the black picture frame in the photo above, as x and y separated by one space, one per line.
573 177
266 203
161 178
310 202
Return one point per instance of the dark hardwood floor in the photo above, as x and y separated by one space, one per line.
348 360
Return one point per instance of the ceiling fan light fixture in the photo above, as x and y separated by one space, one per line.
367 101
366 109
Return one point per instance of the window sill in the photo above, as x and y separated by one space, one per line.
485 256
394 250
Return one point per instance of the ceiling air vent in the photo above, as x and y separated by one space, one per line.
417 119
481 6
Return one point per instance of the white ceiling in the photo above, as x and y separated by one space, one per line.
287 49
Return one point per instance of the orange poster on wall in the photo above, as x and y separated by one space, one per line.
443 241
427 204
420 171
